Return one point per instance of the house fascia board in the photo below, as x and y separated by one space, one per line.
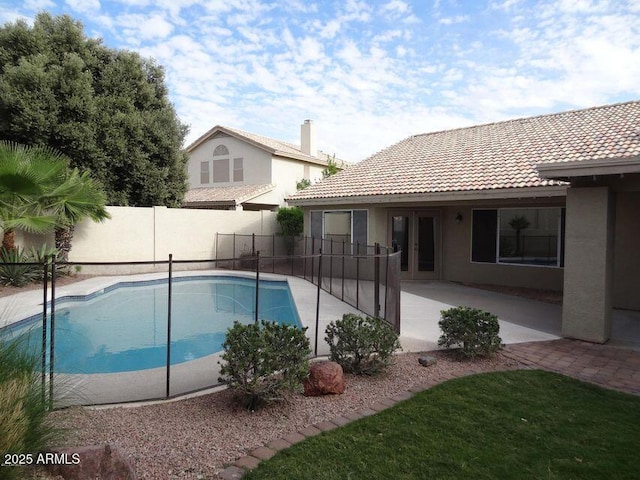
507 193
587 168
302 156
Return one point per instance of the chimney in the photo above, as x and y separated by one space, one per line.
308 141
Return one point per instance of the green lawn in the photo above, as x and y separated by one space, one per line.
507 425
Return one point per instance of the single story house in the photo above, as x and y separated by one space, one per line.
230 169
547 202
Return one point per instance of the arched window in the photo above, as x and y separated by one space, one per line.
220 150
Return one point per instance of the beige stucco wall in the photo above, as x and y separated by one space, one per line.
287 173
588 287
152 233
626 277
259 167
256 162
457 264
455 254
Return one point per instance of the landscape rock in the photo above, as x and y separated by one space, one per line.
105 462
427 361
324 378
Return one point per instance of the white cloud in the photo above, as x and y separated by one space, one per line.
372 75
453 20
84 6
395 6
155 27
38 5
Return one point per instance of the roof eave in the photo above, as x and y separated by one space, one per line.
587 168
502 193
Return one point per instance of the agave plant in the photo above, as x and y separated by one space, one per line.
17 268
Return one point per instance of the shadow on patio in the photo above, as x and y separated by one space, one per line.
521 319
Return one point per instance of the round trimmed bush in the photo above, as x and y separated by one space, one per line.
262 360
361 345
473 330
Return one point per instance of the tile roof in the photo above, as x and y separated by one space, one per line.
276 147
234 195
499 155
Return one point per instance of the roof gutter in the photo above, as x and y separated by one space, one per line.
496 194
587 168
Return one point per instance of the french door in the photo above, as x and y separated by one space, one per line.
416 235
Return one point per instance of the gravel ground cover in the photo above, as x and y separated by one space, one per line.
196 438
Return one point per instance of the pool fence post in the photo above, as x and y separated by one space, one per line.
253 244
331 266
343 265
318 302
358 275
169 325
293 251
304 259
216 249
257 285
53 329
386 285
273 253
45 270
233 251
376 281
313 252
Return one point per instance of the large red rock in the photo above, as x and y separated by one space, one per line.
105 462
324 378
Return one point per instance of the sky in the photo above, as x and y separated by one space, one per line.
369 73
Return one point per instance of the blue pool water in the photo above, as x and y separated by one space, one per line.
124 327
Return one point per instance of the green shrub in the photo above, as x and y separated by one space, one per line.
291 221
474 330
23 411
44 252
361 345
263 360
21 273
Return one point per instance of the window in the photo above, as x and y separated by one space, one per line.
238 175
221 170
349 226
204 172
337 226
220 150
521 236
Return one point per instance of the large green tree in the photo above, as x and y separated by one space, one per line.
107 110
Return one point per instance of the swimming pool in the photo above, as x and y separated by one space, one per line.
123 328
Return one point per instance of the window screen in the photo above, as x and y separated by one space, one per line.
204 172
360 226
238 174
484 236
316 224
221 170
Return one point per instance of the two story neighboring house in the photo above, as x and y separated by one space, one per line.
230 169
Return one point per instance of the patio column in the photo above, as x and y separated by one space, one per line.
588 267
